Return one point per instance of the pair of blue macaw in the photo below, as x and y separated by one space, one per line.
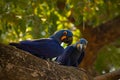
73 54
47 47
51 47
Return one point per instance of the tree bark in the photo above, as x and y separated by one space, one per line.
115 75
97 38
16 64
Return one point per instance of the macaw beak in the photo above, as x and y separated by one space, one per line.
68 40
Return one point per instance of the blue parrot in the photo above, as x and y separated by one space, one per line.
46 47
73 54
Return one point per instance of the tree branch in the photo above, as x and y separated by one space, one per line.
115 75
16 64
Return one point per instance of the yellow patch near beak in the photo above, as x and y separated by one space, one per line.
85 46
78 46
63 37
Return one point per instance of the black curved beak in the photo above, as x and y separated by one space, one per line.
69 40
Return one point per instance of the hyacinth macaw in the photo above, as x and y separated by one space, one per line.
73 54
46 47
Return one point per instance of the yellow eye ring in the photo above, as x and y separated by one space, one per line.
78 45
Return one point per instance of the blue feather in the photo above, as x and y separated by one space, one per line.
45 47
73 55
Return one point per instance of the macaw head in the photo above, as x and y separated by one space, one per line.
81 44
65 36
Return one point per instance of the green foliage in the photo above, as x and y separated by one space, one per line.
26 19
108 58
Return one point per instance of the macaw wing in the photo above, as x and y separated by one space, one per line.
81 57
43 48
65 58
35 42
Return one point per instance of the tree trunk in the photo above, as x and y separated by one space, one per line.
97 38
16 64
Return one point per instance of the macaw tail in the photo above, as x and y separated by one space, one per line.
17 45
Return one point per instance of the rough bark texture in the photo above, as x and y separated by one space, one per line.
16 64
115 75
98 37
